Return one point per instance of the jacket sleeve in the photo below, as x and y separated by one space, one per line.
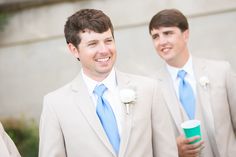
7 146
164 143
231 94
51 137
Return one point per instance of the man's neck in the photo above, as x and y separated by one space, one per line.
179 62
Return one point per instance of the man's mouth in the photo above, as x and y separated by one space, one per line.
165 49
103 59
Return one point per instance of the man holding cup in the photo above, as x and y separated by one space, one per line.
195 88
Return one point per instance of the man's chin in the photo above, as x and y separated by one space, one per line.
104 71
166 58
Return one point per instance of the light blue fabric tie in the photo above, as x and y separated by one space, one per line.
186 95
107 117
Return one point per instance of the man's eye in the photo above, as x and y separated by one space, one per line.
155 37
168 33
109 40
91 44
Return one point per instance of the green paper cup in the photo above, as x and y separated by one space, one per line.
192 128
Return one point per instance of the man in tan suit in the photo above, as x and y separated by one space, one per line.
71 123
7 147
212 83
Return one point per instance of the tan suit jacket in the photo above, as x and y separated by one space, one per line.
7 147
216 105
69 126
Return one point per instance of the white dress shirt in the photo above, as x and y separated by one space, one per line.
188 67
111 95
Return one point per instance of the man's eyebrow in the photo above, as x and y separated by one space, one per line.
168 31
155 34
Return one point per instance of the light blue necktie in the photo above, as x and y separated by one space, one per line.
186 95
107 117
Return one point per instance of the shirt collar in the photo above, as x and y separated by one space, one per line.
188 67
109 81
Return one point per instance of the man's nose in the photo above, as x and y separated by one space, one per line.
162 40
103 48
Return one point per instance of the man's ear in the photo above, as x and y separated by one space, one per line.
73 50
186 35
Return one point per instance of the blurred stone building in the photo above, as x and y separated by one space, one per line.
34 58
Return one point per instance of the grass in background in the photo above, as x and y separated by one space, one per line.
3 20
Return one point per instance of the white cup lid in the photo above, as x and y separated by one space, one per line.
190 124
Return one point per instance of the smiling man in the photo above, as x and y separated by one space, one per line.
86 117
194 88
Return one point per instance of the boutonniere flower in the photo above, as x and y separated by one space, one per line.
127 97
204 82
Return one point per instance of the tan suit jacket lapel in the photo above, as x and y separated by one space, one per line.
124 82
200 70
85 105
170 97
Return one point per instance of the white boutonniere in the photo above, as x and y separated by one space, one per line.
204 82
127 97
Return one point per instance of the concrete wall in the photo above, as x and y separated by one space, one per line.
34 59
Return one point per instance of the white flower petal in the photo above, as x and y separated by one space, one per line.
204 81
127 95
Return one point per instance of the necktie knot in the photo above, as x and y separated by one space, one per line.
99 90
181 74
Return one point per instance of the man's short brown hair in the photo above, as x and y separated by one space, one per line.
168 18
86 19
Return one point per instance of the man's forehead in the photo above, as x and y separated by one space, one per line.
93 31
88 35
164 29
